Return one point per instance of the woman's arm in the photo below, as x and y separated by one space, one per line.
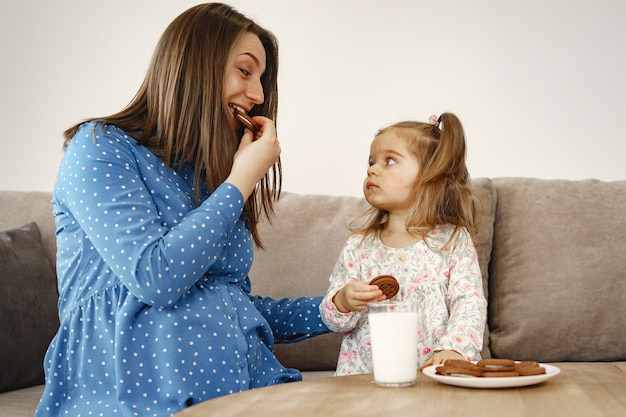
158 256
292 320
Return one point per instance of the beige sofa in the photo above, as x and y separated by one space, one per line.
552 252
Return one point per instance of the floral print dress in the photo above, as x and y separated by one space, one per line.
442 275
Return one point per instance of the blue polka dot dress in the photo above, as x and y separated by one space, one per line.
154 297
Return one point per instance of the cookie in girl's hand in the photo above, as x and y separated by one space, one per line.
388 285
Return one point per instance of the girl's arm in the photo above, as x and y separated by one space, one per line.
343 305
467 305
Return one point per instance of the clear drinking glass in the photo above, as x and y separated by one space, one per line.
393 329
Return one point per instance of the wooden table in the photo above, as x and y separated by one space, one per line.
581 389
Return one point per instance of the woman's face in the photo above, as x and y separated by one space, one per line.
245 66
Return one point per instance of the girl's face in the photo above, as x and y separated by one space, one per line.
391 174
242 78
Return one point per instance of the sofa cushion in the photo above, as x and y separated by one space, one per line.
484 241
21 207
301 247
28 310
558 273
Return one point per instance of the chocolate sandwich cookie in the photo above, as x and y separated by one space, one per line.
459 367
527 368
388 285
451 370
245 120
496 365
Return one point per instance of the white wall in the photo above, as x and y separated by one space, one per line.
539 84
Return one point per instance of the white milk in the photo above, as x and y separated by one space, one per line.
394 347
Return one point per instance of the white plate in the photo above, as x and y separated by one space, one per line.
496 382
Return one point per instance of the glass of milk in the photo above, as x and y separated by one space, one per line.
393 330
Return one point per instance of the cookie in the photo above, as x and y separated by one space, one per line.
527 368
451 370
388 285
499 374
245 120
463 364
490 368
460 363
497 365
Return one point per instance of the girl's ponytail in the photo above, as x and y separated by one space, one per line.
448 159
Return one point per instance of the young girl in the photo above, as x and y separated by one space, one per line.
423 217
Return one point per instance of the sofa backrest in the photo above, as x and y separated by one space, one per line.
555 280
558 270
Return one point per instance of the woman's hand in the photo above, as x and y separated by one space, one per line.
440 357
355 295
255 156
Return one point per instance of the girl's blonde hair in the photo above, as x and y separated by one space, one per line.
180 114
442 192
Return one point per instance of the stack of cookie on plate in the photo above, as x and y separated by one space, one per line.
490 368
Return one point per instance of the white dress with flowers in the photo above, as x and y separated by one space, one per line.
446 284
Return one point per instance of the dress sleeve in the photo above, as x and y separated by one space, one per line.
345 270
101 184
292 320
467 304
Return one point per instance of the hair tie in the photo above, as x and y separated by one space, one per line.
434 120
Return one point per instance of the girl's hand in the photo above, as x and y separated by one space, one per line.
441 356
255 156
355 295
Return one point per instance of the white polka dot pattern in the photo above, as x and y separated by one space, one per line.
155 305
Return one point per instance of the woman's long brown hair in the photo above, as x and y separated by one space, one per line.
180 114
